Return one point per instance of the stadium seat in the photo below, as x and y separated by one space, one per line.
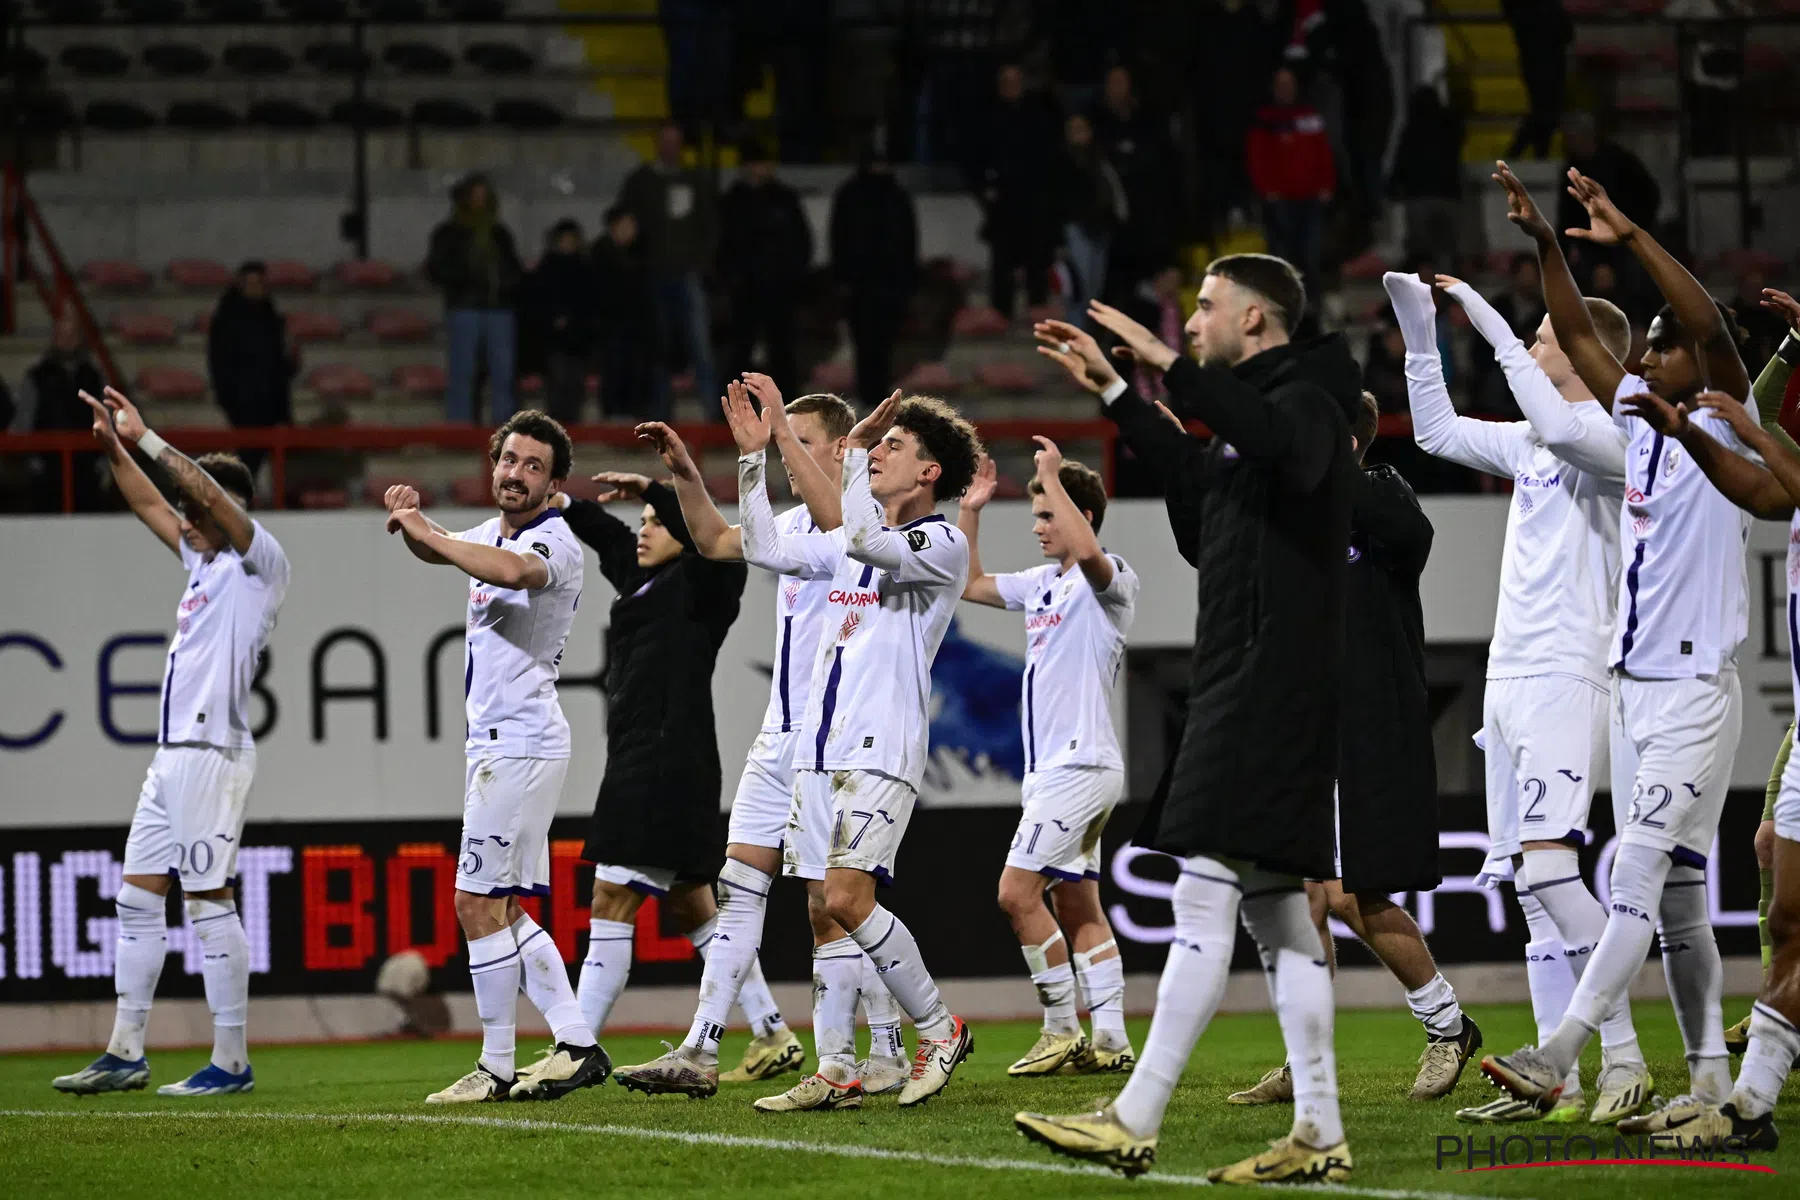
499 58
1008 488
336 58
46 113
978 321
145 329
341 381
1366 266
366 274
418 58
931 378
286 275
117 116
203 322
446 112
72 11
722 488
314 327
177 59
23 59
420 379
158 12
233 10
1052 310
531 385
316 10
835 377
170 383
1011 378
277 113
94 61
114 275
475 10
375 489
399 325
477 491
323 498
396 10
259 59
198 274
526 113
205 115
374 114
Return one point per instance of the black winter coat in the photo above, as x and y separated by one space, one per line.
624 303
1387 780
874 234
659 800
562 302
247 357
1262 511
765 242
490 282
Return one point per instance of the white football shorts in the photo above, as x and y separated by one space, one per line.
1066 809
646 881
508 804
853 820
765 792
1545 738
1685 733
190 816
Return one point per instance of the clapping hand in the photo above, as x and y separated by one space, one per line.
621 485
1607 225
670 448
749 428
1075 351
872 428
981 488
1521 209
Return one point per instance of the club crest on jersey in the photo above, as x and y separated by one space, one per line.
918 539
1355 553
852 619
1671 460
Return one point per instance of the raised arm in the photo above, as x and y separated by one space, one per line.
1770 388
189 477
145 500
1161 448
1592 361
712 536
1078 533
813 555
1752 488
821 495
1490 446
493 565
981 587
614 542
1721 366
402 496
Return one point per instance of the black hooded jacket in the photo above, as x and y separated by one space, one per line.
1262 511
246 354
659 799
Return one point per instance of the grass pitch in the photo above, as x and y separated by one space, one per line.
348 1120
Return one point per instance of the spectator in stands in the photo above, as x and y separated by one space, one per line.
625 311
875 259
1238 45
1427 176
1763 330
1137 144
677 213
1091 205
1384 365
562 296
475 263
1291 168
1011 172
1522 304
50 399
249 359
765 256
1542 30
1629 183
698 35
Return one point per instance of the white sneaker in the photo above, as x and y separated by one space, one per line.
1050 1053
1526 1074
564 1069
883 1075
477 1087
680 1072
767 1057
1625 1089
935 1061
1667 1115
819 1091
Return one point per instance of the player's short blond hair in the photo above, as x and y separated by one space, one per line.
1611 326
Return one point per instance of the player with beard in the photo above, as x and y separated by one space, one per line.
525 574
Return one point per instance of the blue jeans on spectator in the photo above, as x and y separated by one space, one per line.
470 331
686 324
1087 261
1296 228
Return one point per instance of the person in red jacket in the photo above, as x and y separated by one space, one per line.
1291 168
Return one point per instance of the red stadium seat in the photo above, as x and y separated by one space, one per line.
115 275
198 274
722 488
1367 265
835 377
314 327
1012 378
171 383
145 329
979 321
399 325
1052 311
286 275
317 498
472 491
367 274
531 385
337 379
421 379
683 384
583 487
932 378
375 489
203 323
1007 488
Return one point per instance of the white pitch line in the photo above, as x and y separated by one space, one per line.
734 1141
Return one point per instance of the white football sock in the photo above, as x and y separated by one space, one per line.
226 971
142 948
495 970
1696 980
731 954
546 983
1553 880
1552 983
1434 1004
1103 991
837 981
604 970
883 1013
886 939
1774 1043
1205 901
1055 986
1276 912
758 1002
1637 880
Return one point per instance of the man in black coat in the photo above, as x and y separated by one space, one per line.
875 257
1262 511
625 311
50 399
561 294
656 829
1011 172
765 253
249 360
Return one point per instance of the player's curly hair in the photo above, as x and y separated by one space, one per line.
230 473
539 427
946 438
1673 326
1085 488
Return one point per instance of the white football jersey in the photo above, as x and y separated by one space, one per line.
799 616
869 705
221 626
515 645
1683 602
1075 641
